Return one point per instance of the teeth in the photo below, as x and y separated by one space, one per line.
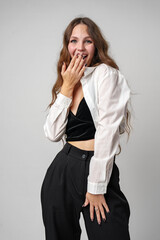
83 56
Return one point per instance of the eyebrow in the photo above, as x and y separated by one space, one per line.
77 38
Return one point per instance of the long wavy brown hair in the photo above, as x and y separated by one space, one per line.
101 56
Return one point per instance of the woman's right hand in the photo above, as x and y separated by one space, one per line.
74 72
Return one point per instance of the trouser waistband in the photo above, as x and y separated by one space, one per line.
77 152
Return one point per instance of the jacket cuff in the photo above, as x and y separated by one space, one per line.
96 188
63 101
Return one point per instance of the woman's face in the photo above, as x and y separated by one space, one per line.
81 43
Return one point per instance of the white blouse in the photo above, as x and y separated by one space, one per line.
106 93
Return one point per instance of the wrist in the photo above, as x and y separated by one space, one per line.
67 91
93 194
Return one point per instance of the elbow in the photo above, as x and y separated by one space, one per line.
52 135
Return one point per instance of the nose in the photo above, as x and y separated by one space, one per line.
80 46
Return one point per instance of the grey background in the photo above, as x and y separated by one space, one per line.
31 38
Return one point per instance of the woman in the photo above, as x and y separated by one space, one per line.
89 110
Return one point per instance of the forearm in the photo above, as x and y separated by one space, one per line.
56 120
67 91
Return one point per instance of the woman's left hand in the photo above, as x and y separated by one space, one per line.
96 201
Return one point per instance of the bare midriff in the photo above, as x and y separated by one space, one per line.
84 145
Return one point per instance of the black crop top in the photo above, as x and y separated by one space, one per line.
80 126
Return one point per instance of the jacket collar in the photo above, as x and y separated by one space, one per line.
88 70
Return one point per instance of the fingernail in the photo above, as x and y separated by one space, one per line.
104 219
99 222
92 219
85 64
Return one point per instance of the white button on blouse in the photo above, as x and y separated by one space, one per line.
106 93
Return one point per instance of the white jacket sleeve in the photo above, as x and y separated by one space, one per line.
56 121
113 94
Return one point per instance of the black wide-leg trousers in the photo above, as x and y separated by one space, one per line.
63 194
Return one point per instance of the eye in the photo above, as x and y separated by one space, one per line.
88 41
73 41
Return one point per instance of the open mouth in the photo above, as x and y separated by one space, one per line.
85 56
